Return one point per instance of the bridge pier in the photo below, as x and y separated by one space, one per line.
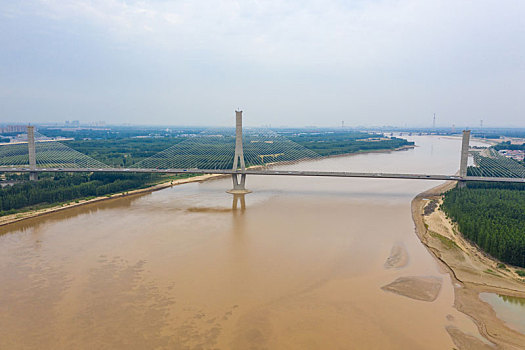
463 164
239 187
33 176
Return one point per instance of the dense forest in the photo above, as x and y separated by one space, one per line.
508 145
492 216
61 187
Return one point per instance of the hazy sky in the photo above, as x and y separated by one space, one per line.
290 63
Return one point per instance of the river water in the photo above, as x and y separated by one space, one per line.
299 266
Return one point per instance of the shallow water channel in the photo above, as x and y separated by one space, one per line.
299 265
509 309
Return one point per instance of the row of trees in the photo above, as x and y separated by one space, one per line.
492 216
66 187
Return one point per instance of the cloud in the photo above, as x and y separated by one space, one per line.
358 33
296 54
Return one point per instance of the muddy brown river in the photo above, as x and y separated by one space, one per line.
299 265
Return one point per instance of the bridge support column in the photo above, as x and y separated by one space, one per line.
463 165
33 176
239 187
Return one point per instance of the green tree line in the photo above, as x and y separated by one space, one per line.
508 145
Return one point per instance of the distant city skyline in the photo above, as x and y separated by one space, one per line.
102 125
284 63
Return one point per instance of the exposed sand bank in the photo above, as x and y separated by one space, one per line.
471 270
398 257
416 287
7 219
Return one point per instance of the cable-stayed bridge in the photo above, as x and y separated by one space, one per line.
257 152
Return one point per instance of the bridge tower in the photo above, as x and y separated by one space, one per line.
463 165
33 176
238 160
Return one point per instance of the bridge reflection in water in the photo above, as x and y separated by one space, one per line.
239 202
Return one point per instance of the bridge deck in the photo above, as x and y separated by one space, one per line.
270 172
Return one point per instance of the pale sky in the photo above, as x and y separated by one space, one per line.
292 63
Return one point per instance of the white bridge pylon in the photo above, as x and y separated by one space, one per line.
239 185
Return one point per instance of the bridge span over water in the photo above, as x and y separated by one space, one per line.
269 172
238 171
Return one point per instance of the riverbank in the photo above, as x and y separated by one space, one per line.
8 219
401 148
471 270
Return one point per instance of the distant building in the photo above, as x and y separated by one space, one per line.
514 154
13 128
73 123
